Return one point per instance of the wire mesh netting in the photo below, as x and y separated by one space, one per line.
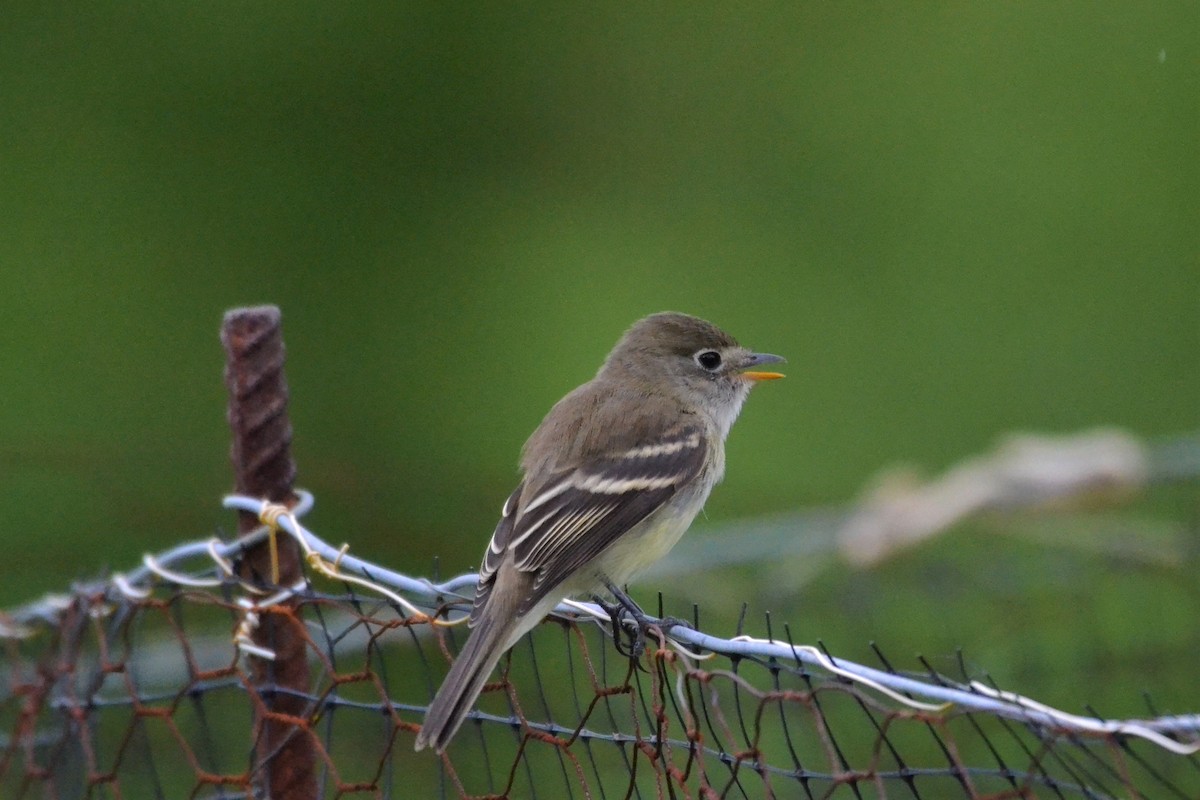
276 666
151 684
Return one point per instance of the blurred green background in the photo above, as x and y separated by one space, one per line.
955 222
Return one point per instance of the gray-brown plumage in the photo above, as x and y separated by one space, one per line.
613 477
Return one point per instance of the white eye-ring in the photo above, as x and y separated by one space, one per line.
709 360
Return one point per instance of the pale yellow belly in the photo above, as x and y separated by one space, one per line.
637 549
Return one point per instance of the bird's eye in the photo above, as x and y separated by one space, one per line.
709 359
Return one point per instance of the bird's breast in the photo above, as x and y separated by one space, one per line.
653 538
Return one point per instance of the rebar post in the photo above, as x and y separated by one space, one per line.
263 467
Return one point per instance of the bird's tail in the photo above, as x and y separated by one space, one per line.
464 682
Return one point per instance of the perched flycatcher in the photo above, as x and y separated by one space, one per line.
612 478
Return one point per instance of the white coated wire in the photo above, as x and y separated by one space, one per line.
926 695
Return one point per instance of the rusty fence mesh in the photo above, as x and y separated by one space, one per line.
148 684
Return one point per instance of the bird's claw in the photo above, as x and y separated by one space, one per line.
617 614
626 609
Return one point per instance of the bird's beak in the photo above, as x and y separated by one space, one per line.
755 359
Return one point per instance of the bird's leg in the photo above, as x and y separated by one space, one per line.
664 624
625 606
616 613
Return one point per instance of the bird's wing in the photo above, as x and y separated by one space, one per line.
495 553
577 513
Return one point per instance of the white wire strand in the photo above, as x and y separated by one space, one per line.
338 564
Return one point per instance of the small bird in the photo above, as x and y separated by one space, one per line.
613 477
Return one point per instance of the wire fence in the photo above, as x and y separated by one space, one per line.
274 665
142 685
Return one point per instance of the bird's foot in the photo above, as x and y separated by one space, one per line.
618 613
626 609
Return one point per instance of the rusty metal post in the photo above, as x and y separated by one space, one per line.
263 467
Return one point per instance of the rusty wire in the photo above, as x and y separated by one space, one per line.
141 686
276 665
